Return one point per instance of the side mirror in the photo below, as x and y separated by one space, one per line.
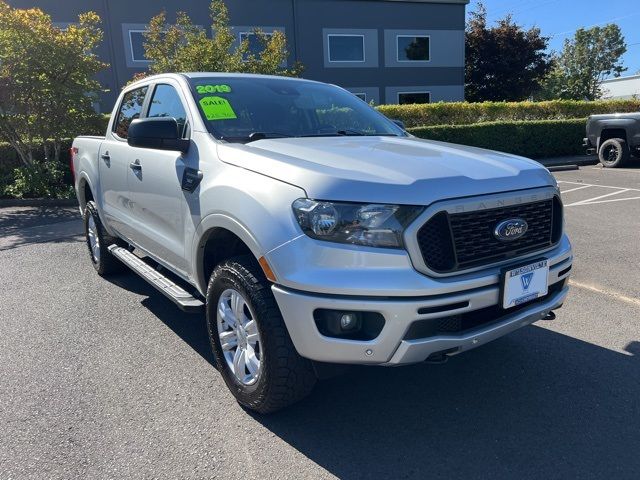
399 123
158 133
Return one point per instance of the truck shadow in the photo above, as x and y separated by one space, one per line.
27 225
534 404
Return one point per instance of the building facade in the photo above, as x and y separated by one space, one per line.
385 51
622 88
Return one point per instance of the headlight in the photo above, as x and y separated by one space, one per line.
373 225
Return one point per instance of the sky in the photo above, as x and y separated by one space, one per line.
559 19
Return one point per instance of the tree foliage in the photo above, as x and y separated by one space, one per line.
185 47
47 79
503 62
586 60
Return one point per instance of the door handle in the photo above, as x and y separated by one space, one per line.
105 156
135 166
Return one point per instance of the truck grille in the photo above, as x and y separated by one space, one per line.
451 242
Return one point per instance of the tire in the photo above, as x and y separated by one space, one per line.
614 153
98 240
271 375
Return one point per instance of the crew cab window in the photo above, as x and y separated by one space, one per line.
166 103
130 109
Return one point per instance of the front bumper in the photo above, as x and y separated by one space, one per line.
445 298
586 143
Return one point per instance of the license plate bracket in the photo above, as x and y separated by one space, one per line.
524 283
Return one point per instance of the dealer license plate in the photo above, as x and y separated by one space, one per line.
524 284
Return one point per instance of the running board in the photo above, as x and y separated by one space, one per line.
167 287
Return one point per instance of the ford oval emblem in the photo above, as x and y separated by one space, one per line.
511 229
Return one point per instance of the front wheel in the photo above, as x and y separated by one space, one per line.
252 347
614 153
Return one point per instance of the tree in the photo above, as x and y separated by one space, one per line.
185 47
47 80
503 62
586 60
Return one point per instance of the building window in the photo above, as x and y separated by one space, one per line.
361 96
256 45
406 98
413 48
346 48
136 41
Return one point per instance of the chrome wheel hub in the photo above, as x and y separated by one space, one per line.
239 337
94 241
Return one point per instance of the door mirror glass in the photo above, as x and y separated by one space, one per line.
157 133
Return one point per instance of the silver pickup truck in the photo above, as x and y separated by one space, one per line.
312 230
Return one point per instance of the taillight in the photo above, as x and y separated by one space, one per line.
72 153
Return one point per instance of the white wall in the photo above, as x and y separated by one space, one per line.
621 88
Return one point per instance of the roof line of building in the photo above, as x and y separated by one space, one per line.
460 2
619 79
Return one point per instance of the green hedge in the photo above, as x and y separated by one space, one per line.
9 161
461 113
536 139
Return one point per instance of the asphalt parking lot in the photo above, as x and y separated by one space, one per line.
107 379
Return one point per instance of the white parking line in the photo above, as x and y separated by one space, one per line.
618 170
574 189
610 201
589 200
601 186
598 199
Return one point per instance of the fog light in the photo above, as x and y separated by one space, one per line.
349 321
348 325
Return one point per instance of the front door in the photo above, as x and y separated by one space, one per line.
154 180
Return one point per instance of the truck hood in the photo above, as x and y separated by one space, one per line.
398 170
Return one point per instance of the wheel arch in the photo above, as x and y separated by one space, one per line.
85 191
615 130
218 238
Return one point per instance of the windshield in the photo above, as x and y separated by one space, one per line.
239 109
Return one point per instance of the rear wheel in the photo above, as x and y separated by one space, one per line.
97 242
253 350
614 153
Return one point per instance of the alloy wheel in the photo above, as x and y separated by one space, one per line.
239 336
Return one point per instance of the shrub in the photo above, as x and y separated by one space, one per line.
534 139
39 180
461 113
50 178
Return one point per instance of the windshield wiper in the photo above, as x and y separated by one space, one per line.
349 133
254 136
358 133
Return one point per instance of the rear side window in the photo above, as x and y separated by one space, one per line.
166 103
130 109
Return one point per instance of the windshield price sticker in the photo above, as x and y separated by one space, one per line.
204 89
217 108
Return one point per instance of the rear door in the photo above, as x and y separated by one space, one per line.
114 158
156 185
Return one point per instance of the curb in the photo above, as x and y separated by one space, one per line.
38 202
563 168
578 160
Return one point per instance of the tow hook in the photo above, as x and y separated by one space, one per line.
437 359
549 316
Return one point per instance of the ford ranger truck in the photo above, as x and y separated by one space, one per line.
312 230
